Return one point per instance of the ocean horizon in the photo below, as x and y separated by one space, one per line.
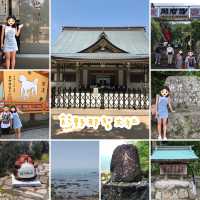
75 183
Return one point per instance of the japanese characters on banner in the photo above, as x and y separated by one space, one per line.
171 12
25 86
176 13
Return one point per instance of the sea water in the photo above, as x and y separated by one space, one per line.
75 183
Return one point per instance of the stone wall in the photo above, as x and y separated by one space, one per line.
185 95
173 190
184 125
185 91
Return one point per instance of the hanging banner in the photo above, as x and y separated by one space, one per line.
174 12
25 86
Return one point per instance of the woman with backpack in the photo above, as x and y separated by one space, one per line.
6 120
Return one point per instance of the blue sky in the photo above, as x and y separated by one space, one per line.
75 155
98 13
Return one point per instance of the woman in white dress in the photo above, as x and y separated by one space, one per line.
9 42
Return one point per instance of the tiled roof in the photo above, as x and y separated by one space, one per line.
173 153
100 56
73 40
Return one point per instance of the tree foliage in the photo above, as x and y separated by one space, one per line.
156 33
143 150
181 33
9 151
195 27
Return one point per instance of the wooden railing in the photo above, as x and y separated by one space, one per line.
136 99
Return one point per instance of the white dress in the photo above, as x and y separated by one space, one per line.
10 42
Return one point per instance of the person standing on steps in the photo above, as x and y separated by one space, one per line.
158 52
170 54
179 60
8 41
190 61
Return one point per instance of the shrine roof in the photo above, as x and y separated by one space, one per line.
100 56
72 40
173 153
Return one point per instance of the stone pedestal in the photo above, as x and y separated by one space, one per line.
173 190
125 191
32 183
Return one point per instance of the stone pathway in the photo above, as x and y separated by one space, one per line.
7 192
36 133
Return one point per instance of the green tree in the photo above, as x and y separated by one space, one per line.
143 149
156 33
9 151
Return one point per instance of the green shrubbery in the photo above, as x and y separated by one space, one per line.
9 151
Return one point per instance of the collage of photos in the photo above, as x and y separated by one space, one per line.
99 100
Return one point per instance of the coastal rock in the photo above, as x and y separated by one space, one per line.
125 164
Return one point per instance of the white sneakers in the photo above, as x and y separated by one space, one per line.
160 138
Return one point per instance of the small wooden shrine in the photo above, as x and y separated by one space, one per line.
173 160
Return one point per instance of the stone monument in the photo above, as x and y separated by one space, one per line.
126 177
125 164
185 95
